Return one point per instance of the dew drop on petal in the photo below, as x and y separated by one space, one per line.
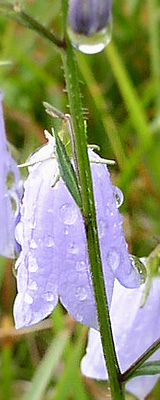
28 299
118 196
113 258
91 44
48 241
79 318
33 286
81 293
68 214
48 296
10 180
72 248
19 232
80 266
33 244
14 203
32 264
102 227
138 265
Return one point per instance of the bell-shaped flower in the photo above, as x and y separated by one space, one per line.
54 260
134 330
9 194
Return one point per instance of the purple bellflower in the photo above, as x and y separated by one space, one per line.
9 194
134 330
54 262
87 17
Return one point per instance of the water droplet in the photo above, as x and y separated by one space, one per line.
79 318
91 44
72 248
14 203
68 214
10 180
32 264
81 293
138 265
28 299
113 258
50 210
80 266
118 196
48 241
102 227
33 286
48 296
33 244
19 232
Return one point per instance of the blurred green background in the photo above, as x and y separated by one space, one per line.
121 92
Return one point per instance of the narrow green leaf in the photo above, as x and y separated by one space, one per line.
67 171
47 366
64 385
78 387
148 368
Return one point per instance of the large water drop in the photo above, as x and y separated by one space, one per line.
91 44
118 196
68 214
113 258
81 293
140 268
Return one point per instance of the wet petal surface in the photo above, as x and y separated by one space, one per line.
54 258
135 329
10 192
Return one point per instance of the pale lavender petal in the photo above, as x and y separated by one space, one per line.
37 273
10 191
135 329
54 252
114 251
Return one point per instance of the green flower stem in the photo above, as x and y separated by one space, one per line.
154 35
129 373
15 12
89 216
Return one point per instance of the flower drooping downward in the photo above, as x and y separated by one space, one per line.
54 261
9 194
134 330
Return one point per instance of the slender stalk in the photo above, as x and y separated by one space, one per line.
89 215
15 12
129 373
154 36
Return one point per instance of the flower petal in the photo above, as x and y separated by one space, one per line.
134 329
9 194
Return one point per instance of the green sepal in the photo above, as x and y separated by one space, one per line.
67 171
148 368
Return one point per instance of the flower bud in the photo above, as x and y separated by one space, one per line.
89 24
